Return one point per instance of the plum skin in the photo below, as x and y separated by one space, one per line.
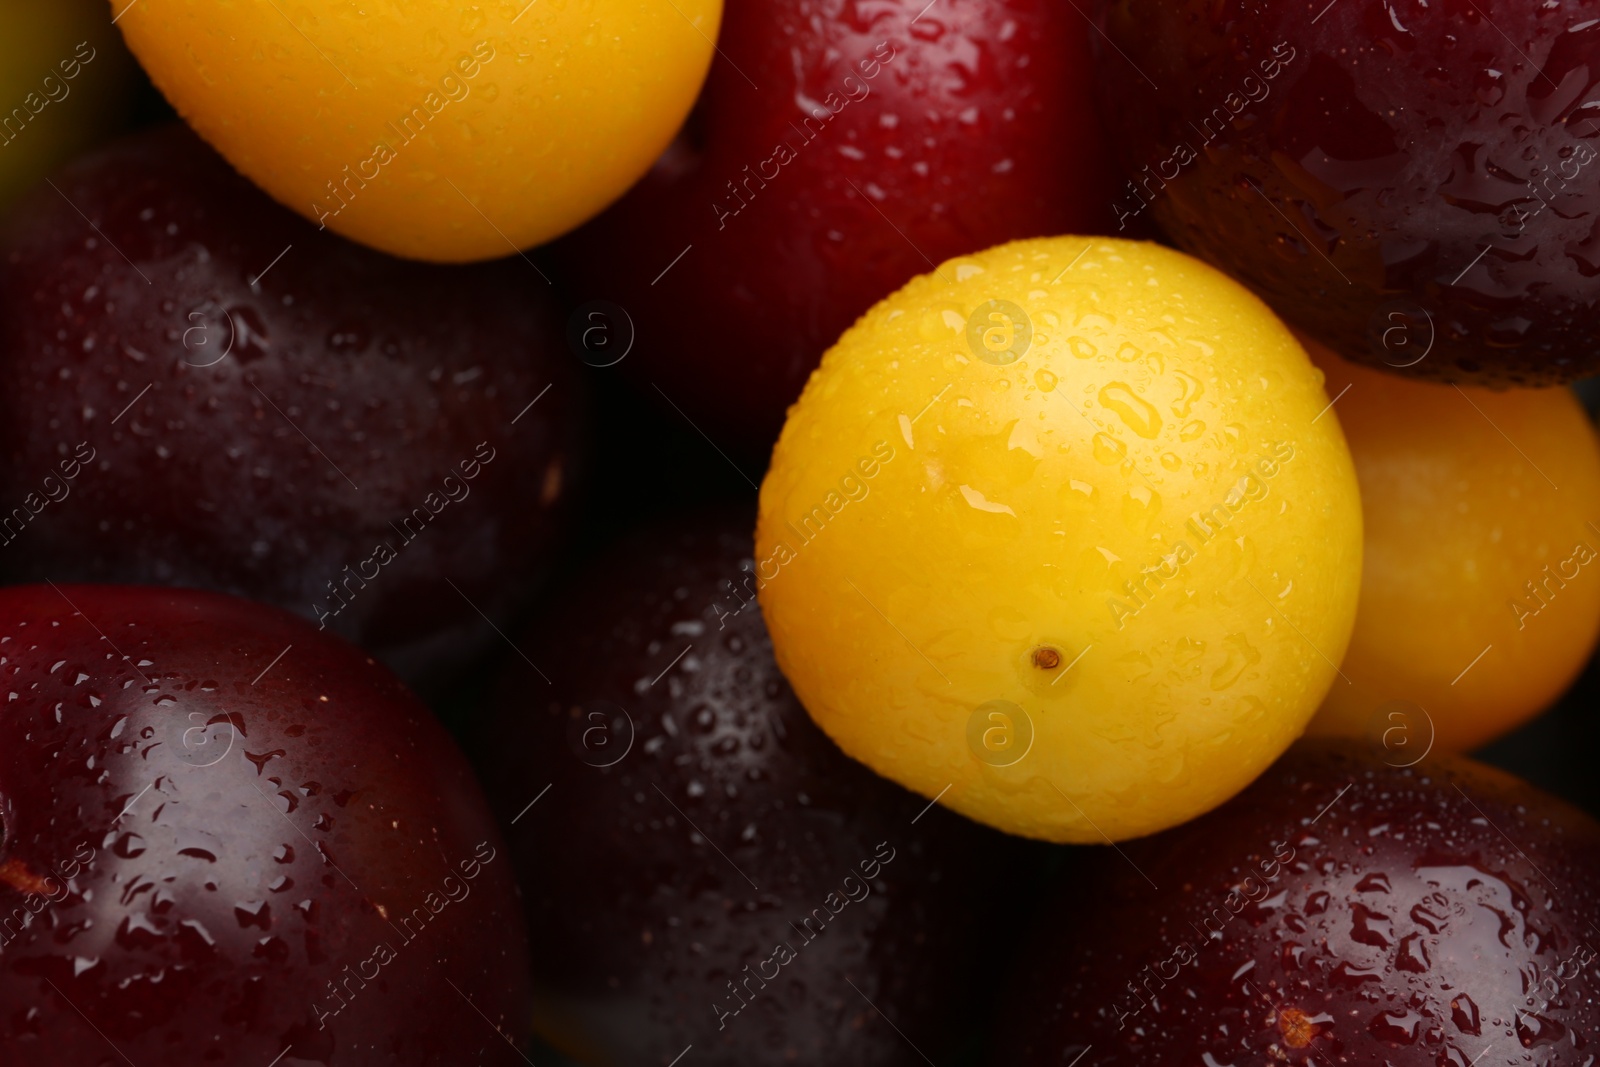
884 138
263 431
1393 178
810 867
1339 911
210 861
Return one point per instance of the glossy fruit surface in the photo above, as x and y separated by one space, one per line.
64 82
1480 601
228 838
1339 911
1065 529
1365 165
440 132
884 138
205 391
731 880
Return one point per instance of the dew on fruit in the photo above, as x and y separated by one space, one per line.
256 913
1401 1026
1108 449
1429 919
1138 414
1464 1013
1241 656
128 845
1134 666
1376 882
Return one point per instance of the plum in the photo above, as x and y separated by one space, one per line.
725 877
839 148
206 391
228 838
1413 183
1341 910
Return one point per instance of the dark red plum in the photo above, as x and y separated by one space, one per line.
203 390
1339 911
715 871
230 839
1416 184
840 147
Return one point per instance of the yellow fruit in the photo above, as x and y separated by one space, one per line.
65 80
1062 534
1480 600
448 132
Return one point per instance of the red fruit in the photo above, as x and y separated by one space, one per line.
1339 911
946 128
733 881
245 404
1396 178
226 835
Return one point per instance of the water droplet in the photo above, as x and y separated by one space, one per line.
193 937
128 846
1413 955
1538 1030
1140 507
1464 1013
138 932
1351 975
263 759
1135 665
1489 86
1376 882
253 913
1371 927
1190 389
1241 656
977 500
1399 1026
1427 919
1138 414
1108 449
